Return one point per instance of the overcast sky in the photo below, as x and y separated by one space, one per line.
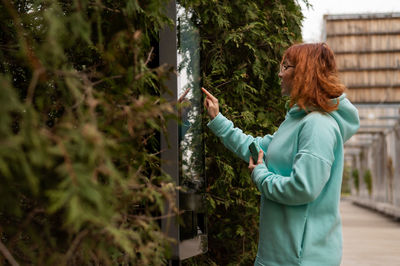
312 24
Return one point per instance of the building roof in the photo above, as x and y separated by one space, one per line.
361 16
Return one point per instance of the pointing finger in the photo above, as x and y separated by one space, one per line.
208 94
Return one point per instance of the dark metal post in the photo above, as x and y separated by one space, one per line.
169 147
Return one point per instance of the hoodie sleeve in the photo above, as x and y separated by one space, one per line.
234 139
311 167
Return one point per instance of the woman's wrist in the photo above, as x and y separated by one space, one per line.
212 117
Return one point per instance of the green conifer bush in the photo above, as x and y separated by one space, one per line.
79 124
242 42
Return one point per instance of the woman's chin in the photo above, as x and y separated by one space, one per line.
284 92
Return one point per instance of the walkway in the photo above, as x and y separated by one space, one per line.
369 238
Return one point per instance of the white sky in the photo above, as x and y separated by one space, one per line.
312 24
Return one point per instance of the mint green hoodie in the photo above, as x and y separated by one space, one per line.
300 183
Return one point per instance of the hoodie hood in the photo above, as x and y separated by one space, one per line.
346 116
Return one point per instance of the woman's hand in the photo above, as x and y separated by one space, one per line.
259 161
211 104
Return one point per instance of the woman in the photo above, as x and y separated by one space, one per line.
300 175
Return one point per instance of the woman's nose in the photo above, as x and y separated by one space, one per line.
280 74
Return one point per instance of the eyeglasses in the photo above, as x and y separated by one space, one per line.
285 67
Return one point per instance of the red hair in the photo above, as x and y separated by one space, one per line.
315 81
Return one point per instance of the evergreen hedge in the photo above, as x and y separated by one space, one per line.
79 124
242 42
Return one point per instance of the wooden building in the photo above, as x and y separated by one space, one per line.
367 50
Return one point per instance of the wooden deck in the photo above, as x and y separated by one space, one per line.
369 238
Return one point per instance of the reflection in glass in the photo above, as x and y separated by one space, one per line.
191 145
189 93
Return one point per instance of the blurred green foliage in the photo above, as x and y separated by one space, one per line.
346 179
242 42
80 122
368 181
356 179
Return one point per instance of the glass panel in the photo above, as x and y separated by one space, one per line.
191 145
189 93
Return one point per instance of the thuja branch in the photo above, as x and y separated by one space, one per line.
6 253
75 244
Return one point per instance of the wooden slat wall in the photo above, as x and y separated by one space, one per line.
373 60
357 79
367 48
364 43
363 25
385 95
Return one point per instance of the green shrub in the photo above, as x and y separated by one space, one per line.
79 124
346 181
356 181
368 181
242 42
